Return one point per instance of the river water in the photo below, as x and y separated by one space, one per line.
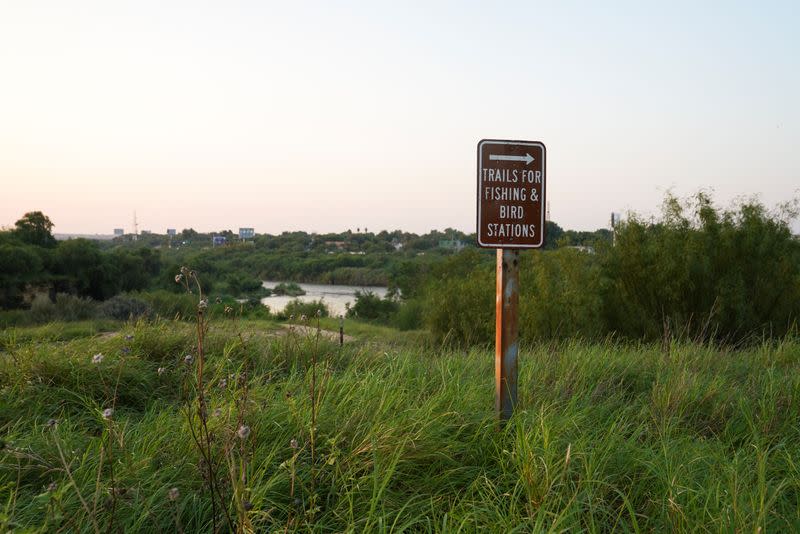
336 297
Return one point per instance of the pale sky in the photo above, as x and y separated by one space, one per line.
324 116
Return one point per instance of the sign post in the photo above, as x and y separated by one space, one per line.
511 216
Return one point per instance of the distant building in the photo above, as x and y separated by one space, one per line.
246 233
582 248
171 231
119 232
218 240
452 244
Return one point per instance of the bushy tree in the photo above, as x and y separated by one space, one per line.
459 299
35 228
696 272
701 271
84 270
370 306
19 265
560 295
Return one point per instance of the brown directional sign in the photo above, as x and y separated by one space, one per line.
511 193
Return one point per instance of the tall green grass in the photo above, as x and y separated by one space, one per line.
606 437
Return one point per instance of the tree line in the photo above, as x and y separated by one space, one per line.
32 261
697 271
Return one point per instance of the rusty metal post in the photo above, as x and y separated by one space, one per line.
506 329
341 330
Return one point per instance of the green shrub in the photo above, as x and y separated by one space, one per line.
42 309
298 308
409 315
164 341
370 306
698 272
170 305
9 318
460 308
240 283
65 308
703 272
253 308
123 308
559 295
291 289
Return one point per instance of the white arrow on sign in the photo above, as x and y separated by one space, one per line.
527 158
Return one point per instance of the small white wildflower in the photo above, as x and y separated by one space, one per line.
291 317
243 432
108 413
52 487
202 305
178 278
319 313
223 383
188 359
293 444
174 494
97 358
51 423
162 370
303 318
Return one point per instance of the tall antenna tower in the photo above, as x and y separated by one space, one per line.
547 215
135 227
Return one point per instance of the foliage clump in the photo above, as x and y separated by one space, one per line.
290 289
369 306
124 308
697 271
314 308
704 271
65 308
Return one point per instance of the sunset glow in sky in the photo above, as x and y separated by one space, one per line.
324 116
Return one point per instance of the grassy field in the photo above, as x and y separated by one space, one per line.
607 437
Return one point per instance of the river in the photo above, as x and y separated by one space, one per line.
336 297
